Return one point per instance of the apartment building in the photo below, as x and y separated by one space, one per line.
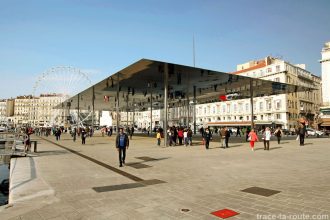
38 111
3 110
324 117
274 110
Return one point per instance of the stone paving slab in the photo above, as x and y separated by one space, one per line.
191 177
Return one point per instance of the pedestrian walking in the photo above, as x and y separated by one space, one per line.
266 136
227 136
83 136
185 137
302 131
207 138
222 137
132 132
74 134
122 143
247 133
238 132
180 135
252 137
158 136
27 143
189 135
278 133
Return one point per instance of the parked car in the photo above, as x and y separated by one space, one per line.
313 132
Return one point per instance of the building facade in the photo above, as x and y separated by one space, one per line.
3 111
325 66
43 112
324 117
274 110
38 111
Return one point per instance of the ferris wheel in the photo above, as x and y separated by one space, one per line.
54 86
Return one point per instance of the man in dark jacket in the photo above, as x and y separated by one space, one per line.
207 137
302 131
227 136
122 143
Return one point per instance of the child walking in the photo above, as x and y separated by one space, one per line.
253 138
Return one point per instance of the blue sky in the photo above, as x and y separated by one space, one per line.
103 36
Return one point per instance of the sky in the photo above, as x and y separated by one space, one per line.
101 37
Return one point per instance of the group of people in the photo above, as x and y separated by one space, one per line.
177 136
224 137
252 136
180 136
106 131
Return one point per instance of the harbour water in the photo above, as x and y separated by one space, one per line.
4 179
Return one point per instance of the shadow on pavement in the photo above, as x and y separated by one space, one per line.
54 152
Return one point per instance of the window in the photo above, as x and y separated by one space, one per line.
246 107
269 105
261 106
278 116
240 107
261 117
269 70
228 108
261 72
278 68
278 104
213 110
235 107
223 108
277 79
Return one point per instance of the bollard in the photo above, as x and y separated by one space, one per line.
35 146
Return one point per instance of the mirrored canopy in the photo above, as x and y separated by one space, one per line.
141 79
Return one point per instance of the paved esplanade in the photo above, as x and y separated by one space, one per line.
72 181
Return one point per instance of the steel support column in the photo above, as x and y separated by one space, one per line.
93 107
194 109
117 105
251 101
127 111
150 108
165 103
78 121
